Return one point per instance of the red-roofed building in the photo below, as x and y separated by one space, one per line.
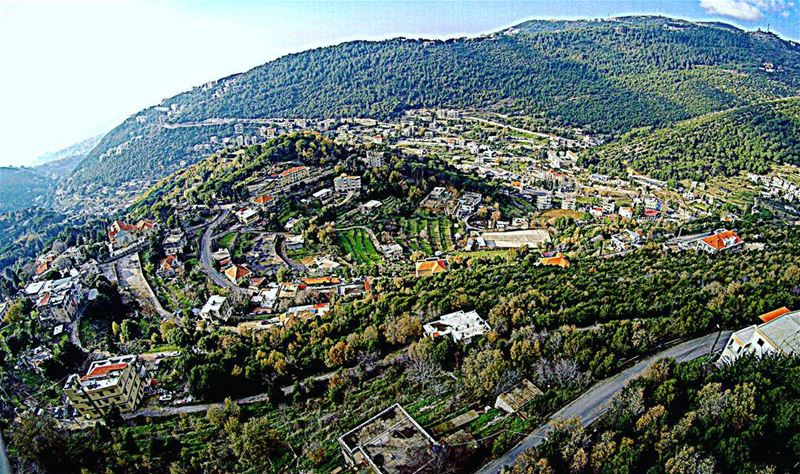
556 260
776 313
117 383
42 268
264 200
103 370
293 175
122 234
168 267
720 240
237 273
431 267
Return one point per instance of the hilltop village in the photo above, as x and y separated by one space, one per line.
288 220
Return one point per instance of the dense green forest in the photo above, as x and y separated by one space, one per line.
687 418
751 138
648 71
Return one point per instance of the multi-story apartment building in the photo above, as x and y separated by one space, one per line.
346 184
118 382
293 175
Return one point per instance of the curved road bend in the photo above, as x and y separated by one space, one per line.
206 262
596 401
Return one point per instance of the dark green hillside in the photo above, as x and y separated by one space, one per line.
681 418
21 188
608 76
750 138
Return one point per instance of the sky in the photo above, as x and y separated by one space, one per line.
72 70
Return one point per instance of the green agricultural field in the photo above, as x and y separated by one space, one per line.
226 241
428 235
357 244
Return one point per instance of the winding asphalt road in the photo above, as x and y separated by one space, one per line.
596 401
206 262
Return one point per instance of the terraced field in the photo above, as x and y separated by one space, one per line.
428 235
357 244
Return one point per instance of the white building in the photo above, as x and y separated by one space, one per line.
295 242
779 333
247 216
460 326
324 195
568 202
347 183
544 201
374 159
215 309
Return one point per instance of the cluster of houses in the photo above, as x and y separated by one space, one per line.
123 237
776 187
282 303
56 301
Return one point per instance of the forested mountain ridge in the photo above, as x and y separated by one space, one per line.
749 138
21 187
607 76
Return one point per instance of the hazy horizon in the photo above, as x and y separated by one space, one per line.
114 59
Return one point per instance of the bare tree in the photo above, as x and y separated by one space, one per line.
561 372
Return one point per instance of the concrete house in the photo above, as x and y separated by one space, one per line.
216 309
115 383
779 333
461 326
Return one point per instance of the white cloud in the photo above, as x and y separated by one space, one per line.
741 9
750 10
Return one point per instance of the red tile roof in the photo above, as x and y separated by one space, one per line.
263 199
42 268
325 280
44 299
292 170
557 261
774 314
237 272
103 370
717 241
432 266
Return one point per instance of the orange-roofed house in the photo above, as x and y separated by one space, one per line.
775 313
323 280
719 241
293 175
168 267
237 273
431 267
122 234
42 268
557 260
117 383
264 201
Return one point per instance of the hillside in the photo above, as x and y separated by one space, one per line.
648 71
21 188
750 138
686 418
78 149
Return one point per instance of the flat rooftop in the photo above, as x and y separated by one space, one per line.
517 238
